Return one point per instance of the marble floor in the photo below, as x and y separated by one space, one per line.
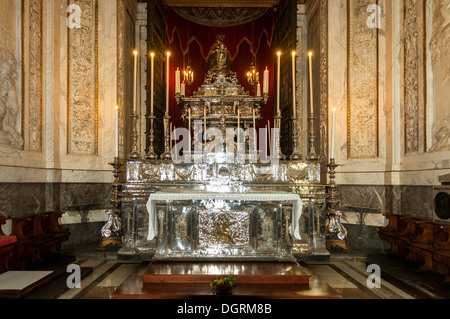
346 273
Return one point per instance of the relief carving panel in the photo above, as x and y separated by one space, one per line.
414 76
82 82
10 77
440 57
362 83
35 76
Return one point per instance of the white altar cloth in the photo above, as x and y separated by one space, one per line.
256 197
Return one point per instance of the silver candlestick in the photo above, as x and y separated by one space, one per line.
277 137
134 155
295 153
151 148
167 155
335 231
112 230
312 150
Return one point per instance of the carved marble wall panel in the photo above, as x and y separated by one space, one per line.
34 80
11 101
362 83
414 76
82 91
440 57
121 11
323 130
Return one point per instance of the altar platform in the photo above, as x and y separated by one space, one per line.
255 280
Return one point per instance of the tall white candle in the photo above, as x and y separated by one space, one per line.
183 89
254 127
204 119
189 123
135 82
152 84
270 139
167 84
333 128
177 81
175 142
294 104
266 81
311 97
278 81
258 90
116 131
238 127
170 136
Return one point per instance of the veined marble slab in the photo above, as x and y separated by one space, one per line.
20 280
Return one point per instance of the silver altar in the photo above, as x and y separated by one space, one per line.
228 229
144 178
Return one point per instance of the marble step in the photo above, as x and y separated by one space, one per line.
245 272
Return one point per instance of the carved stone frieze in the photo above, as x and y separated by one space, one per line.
82 95
362 83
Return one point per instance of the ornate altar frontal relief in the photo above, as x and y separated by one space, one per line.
221 228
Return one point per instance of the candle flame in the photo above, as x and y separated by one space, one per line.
334 109
310 53
152 54
279 53
168 53
135 52
117 107
294 53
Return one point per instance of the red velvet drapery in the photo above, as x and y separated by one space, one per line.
190 42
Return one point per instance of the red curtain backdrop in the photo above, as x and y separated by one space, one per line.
189 44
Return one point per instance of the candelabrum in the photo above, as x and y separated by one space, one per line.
134 155
277 137
295 153
335 231
151 148
112 230
312 150
167 155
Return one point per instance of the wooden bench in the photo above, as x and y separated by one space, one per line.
419 240
7 246
38 235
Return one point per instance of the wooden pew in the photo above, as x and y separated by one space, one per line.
38 236
7 246
420 240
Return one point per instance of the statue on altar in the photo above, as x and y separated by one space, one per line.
218 61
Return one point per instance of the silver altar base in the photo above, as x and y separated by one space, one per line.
145 177
208 229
